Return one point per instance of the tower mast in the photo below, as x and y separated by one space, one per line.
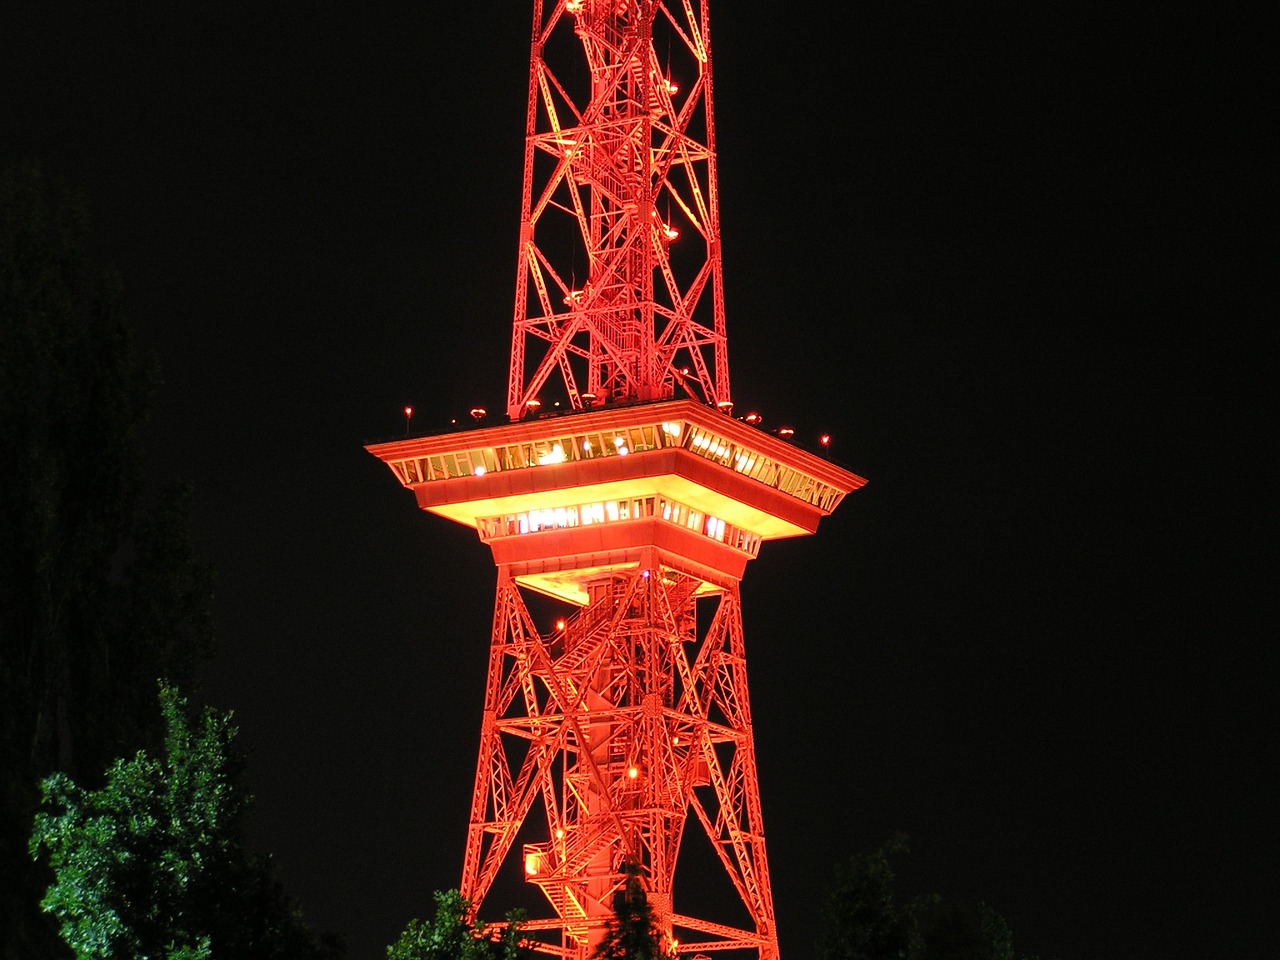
611 736
619 289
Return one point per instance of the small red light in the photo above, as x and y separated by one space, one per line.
753 418
825 439
408 411
560 624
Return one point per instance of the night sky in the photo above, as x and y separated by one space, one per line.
1009 254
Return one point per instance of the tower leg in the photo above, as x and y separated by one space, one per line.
616 727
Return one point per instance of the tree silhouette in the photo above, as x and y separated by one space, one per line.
154 865
449 935
100 590
861 920
631 934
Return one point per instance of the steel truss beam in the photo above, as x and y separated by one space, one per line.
619 236
614 729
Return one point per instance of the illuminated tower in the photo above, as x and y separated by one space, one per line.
611 733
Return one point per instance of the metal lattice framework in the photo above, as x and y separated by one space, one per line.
610 741
619 236
617 725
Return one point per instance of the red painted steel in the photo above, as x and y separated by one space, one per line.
608 732
622 733
619 291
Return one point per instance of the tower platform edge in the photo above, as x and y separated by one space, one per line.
561 497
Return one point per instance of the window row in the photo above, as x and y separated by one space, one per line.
610 511
610 443
757 466
538 453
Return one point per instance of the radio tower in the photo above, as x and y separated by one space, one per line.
610 735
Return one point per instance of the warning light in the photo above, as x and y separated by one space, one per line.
825 439
561 624
633 772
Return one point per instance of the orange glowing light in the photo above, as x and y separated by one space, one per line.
633 772
478 413
561 624
753 418
825 439
532 863
554 455
786 432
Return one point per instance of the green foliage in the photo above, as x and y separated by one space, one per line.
449 935
100 590
153 864
861 920
631 934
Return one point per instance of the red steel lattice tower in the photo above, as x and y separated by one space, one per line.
608 737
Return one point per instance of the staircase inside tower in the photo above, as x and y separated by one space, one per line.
617 724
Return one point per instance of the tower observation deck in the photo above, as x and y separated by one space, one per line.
607 738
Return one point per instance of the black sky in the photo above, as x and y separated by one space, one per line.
1009 254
